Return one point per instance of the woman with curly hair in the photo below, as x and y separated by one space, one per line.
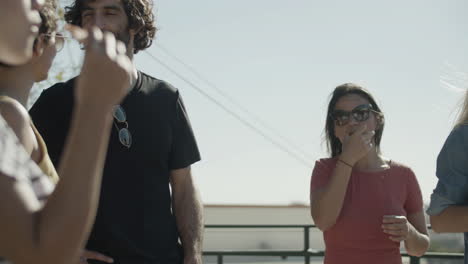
16 83
364 203
40 223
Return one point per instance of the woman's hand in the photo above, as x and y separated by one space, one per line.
356 144
106 73
397 227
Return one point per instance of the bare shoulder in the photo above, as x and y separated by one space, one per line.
18 119
14 113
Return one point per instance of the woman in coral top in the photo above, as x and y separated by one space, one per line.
365 204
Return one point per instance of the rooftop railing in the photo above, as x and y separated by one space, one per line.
305 251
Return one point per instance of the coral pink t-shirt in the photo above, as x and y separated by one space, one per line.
357 235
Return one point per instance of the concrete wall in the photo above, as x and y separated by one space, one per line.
249 239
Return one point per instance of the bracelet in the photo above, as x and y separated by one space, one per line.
345 163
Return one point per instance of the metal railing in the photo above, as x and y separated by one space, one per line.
305 252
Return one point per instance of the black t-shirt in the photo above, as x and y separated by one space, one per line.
134 222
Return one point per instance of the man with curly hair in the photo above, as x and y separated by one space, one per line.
150 210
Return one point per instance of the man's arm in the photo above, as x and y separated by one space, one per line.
188 210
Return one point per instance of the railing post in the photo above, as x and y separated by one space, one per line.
220 259
306 245
414 260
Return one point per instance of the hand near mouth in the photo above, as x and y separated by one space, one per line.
357 143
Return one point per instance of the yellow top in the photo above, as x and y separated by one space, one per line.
45 164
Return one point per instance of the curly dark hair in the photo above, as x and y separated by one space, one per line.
140 18
333 143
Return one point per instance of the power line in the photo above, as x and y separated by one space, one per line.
232 113
234 102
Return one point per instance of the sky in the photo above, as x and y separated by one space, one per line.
280 60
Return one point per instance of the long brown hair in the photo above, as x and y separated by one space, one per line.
333 143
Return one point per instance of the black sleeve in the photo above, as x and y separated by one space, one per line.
51 116
184 150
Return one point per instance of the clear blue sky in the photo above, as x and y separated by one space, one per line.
281 60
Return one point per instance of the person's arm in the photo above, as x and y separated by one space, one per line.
326 202
188 211
55 233
412 230
448 209
453 219
418 241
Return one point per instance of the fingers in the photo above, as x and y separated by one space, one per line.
399 233
396 227
368 135
121 49
110 44
393 226
367 138
105 56
93 36
361 129
77 33
87 254
394 219
394 230
97 39
397 238
356 130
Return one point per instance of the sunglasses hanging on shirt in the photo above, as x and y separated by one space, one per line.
120 118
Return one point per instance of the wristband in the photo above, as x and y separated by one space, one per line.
345 163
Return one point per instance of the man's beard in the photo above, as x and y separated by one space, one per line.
123 36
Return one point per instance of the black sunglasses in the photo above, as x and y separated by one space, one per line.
360 114
125 137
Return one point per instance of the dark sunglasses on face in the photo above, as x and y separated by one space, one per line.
360 114
125 137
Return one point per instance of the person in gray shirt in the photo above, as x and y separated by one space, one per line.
448 209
